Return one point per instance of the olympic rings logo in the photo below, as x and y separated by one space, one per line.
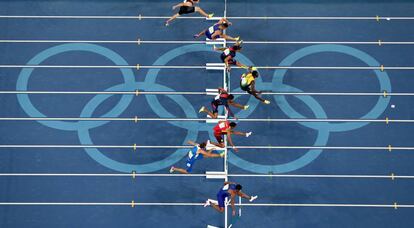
193 128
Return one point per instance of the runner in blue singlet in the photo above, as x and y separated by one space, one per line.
198 152
229 190
217 31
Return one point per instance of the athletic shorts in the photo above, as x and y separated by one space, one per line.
208 34
186 10
219 138
190 166
214 106
231 61
245 88
221 197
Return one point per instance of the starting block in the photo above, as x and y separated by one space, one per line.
215 175
218 41
215 66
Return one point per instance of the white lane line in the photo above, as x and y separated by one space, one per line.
142 17
133 204
362 148
343 176
136 119
382 68
204 93
203 42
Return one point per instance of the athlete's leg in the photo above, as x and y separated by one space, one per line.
200 33
227 37
211 114
175 169
172 18
201 11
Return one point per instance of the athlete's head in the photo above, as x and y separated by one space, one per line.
239 187
233 124
224 25
202 145
255 74
230 97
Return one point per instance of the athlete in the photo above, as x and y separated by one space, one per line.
187 7
227 57
225 99
198 152
230 189
227 128
247 83
217 31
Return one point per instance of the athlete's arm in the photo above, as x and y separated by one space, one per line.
243 195
231 141
205 153
239 133
241 65
226 62
233 208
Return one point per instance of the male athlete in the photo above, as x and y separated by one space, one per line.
230 189
228 55
187 7
227 128
247 83
217 31
198 152
225 99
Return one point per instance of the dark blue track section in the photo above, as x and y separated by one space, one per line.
194 189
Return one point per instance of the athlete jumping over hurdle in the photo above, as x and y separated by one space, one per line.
227 57
225 99
217 31
230 189
188 7
198 152
247 83
227 128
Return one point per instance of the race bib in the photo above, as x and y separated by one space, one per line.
227 51
222 125
243 82
226 187
190 154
